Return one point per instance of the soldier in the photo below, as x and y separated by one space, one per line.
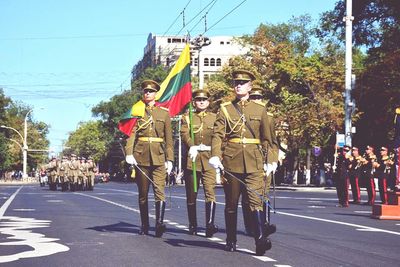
52 171
63 173
199 153
84 172
354 174
368 172
256 94
150 149
342 177
384 171
91 166
251 141
73 172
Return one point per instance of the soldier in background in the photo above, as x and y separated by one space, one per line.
199 153
73 172
150 149
83 172
384 171
342 177
63 173
251 141
354 174
368 172
91 167
51 169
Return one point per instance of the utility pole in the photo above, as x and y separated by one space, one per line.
349 105
198 43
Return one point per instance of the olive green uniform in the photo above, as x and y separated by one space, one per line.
63 173
52 170
243 155
73 173
203 125
91 166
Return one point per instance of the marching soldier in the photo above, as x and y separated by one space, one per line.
368 172
52 171
256 95
342 178
83 174
91 166
384 171
150 149
354 174
199 153
251 141
63 172
73 172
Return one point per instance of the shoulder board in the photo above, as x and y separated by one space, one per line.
226 103
270 114
164 108
261 104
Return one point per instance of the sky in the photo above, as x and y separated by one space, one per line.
64 57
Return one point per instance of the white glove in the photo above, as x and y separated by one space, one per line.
216 163
271 168
265 167
193 152
131 160
168 166
203 147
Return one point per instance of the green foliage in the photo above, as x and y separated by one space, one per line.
89 140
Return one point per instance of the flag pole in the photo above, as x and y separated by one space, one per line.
192 137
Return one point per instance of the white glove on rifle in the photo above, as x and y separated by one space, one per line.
168 166
193 152
216 163
271 168
130 160
203 147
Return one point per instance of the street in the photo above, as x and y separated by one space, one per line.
39 227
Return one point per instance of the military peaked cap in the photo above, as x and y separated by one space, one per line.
200 94
150 85
243 75
256 91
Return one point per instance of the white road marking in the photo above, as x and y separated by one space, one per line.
315 201
23 209
55 200
20 229
316 207
266 259
362 211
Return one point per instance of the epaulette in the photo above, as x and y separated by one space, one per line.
226 103
164 108
270 114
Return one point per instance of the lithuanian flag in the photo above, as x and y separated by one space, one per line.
175 93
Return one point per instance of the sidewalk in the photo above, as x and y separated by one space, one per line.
29 180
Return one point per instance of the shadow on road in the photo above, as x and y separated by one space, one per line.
117 227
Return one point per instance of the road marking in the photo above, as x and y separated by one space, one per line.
316 207
340 223
23 209
20 229
55 200
362 211
8 202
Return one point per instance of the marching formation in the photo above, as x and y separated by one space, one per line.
70 173
238 144
357 169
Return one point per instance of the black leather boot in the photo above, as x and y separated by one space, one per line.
268 228
247 218
191 209
144 216
160 226
211 228
262 242
230 225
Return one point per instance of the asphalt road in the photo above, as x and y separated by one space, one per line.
39 227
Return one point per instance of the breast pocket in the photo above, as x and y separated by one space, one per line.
255 121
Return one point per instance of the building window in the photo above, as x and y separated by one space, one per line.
228 42
212 62
169 40
222 42
167 61
206 62
196 61
218 62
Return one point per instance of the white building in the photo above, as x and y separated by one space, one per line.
165 50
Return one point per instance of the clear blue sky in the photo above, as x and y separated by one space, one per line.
67 56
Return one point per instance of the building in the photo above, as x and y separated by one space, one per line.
165 50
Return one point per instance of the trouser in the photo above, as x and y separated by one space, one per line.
342 190
355 187
208 180
370 186
157 174
233 189
382 183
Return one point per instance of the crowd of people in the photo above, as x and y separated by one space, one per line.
70 173
361 169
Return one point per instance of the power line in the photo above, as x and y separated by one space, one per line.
182 13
